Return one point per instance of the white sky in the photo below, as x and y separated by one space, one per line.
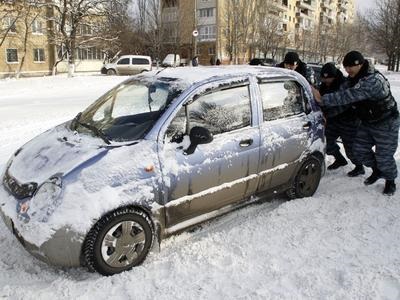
362 5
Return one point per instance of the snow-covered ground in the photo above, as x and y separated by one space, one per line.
343 243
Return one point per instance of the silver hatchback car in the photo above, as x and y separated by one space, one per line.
157 154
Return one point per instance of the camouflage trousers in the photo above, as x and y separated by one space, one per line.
346 130
384 136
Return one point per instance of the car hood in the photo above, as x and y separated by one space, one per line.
109 66
56 151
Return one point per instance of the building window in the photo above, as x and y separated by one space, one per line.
37 27
38 55
85 29
211 50
12 55
9 24
206 12
91 53
208 33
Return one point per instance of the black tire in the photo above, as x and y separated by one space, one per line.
307 179
111 72
109 250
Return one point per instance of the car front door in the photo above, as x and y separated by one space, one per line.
221 172
123 66
285 130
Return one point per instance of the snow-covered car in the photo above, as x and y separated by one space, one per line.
157 154
128 65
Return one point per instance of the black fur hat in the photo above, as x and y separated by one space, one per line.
353 58
291 58
329 70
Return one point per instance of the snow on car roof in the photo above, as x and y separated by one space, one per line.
192 75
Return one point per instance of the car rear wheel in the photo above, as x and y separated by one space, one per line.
118 241
307 179
111 72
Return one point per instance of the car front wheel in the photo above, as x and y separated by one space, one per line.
119 241
307 179
111 72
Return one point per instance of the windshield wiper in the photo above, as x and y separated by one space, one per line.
92 128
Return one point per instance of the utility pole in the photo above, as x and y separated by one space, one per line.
195 32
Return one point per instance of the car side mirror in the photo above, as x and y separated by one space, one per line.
198 135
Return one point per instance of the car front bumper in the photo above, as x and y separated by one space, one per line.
62 249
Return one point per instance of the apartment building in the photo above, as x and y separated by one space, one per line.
207 19
26 44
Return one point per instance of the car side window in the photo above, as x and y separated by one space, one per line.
219 111
281 99
124 61
140 61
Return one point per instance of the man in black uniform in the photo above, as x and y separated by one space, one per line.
340 122
369 93
293 62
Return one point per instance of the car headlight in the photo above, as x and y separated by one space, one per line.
43 203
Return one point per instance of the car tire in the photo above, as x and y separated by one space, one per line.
111 72
119 241
307 179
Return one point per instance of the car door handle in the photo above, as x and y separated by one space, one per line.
246 143
307 125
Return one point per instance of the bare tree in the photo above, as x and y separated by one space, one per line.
239 21
9 16
384 24
31 12
270 33
77 23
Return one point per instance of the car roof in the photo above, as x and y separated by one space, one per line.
135 56
192 75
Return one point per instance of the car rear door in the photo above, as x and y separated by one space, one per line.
285 130
219 173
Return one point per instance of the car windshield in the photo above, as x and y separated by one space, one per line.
127 112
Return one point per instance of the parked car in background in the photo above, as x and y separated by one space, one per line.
171 60
128 65
262 62
157 154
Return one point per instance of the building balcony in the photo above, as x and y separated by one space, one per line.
304 15
327 4
343 8
303 26
279 4
325 20
306 4
170 14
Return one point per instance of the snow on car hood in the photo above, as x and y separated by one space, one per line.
56 151
121 177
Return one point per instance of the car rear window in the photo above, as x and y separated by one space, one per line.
280 99
140 61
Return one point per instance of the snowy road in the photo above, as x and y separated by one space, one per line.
343 243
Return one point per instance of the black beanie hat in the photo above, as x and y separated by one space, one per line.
329 70
291 58
353 58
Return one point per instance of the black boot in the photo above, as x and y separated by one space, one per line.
376 174
390 188
358 170
340 161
